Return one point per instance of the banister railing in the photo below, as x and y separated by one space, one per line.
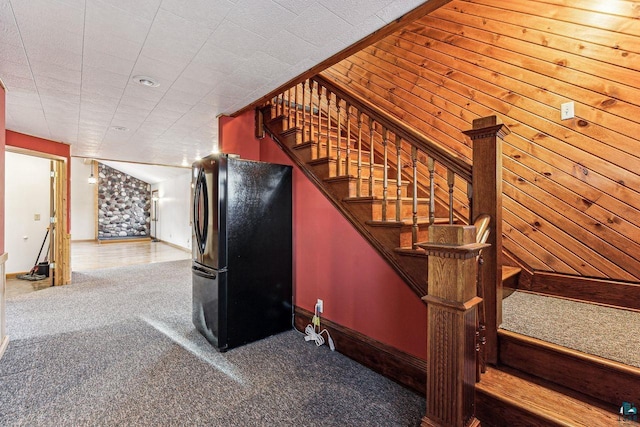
341 123
440 154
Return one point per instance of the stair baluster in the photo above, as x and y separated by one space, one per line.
348 139
339 136
304 111
398 178
287 108
321 92
359 181
371 155
385 171
312 87
431 165
451 177
414 215
329 99
295 106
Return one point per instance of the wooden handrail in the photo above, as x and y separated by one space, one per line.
446 157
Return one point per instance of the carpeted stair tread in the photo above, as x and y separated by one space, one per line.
593 329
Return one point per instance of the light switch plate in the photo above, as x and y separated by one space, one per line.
567 111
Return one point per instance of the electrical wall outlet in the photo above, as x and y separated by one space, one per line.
320 305
567 111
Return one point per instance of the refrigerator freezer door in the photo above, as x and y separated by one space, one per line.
206 212
209 305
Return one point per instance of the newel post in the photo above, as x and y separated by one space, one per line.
452 303
486 135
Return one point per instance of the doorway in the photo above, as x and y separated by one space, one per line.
40 212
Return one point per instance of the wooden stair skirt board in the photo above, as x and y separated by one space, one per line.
603 379
394 364
599 291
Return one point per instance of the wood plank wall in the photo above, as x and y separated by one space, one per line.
572 187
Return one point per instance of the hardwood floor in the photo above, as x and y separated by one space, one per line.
91 255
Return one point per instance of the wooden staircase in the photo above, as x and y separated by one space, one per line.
357 173
392 192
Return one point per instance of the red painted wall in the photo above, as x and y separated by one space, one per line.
28 142
332 261
238 136
2 145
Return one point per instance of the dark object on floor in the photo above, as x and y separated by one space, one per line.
40 270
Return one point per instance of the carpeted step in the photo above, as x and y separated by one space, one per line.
597 377
507 398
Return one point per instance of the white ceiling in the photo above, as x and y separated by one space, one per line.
151 174
68 66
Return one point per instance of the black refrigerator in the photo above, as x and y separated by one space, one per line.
242 250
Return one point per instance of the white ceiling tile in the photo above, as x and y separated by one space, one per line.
209 13
397 8
196 87
112 46
256 16
146 9
312 24
213 56
202 74
355 11
134 90
18 83
10 32
174 39
96 59
361 30
55 71
13 53
288 47
234 38
46 16
295 6
104 20
181 97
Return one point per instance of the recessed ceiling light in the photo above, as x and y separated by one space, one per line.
120 128
146 81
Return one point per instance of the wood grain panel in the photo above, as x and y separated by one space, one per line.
577 178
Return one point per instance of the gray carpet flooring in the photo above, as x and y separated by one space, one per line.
603 331
117 347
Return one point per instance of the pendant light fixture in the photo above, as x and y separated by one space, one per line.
92 179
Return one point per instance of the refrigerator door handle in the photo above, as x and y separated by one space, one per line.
204 272
201 212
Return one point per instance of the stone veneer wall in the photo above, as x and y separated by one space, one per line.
124 205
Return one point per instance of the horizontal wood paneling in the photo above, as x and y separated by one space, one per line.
572 187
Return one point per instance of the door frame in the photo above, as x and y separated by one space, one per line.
61 240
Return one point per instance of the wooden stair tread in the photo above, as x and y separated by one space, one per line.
544 401
509 271
601 378
365 199
406 222
419 252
